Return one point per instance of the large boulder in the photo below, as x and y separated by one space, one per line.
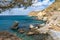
15 25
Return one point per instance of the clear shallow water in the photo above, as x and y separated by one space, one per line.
24 22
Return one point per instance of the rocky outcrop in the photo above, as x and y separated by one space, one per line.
52 27
15 25
33 13
54 7
21 31
40 15
8 36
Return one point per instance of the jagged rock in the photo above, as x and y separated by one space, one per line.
39 15
15 25
52 28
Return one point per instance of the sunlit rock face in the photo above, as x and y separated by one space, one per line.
40 15
53 26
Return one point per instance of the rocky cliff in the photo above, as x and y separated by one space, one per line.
48 12
54 7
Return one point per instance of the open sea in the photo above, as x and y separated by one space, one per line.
24 21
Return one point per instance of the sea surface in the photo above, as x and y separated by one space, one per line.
24 21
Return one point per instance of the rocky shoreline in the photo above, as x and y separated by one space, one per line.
8 36
52 17
32 31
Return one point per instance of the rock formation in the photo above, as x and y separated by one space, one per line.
8 36
54 7
52 27
15 25
33 13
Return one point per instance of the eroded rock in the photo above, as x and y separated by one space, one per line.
8 36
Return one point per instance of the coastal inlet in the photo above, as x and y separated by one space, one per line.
21 26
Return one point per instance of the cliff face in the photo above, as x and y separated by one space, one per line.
48 12
54 7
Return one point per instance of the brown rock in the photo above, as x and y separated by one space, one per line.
8 36
21 30
30 33
15 25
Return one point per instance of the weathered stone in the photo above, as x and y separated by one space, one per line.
30 33
15 25
8 36
21 30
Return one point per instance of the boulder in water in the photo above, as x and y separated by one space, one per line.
30 33
15 25
21 30
31 26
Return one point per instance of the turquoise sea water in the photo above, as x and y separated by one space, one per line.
24 22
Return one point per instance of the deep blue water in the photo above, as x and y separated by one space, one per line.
24 21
